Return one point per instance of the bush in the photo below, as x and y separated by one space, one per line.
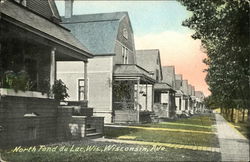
59 90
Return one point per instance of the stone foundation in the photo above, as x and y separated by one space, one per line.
32 121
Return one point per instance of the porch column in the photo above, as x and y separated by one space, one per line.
85 80
146 105
0 55
153 97
169 103
137 104
52 67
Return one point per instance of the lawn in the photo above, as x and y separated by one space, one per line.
169 154
196 123
243 128
91 150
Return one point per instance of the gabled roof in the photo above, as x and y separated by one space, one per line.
168 73
189 89
178 76
163 86
179 93
45 8
185 87
147 59
54 9
178 84
42 27
97 31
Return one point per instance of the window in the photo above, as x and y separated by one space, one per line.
125 55
81 89
157 97
157 74
164 98
125 33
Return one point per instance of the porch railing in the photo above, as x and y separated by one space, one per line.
125 105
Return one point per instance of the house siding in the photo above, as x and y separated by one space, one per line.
129 43
41 7
99 83
122 41
142 99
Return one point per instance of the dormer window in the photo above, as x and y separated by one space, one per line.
125 33
22 2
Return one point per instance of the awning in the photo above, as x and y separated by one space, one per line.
163 87
28 20
132 72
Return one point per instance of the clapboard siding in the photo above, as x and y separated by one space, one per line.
41 7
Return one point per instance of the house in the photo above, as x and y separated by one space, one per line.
190 100
150 61
200 107
113 76
193 99
168 94
162 104
186 97
32 41
179 96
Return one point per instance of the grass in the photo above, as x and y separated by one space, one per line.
165 155
185 138
243 128
100 154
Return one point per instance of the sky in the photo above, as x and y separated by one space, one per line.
157 25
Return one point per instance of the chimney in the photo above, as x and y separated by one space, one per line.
68 8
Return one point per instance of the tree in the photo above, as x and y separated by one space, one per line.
223 28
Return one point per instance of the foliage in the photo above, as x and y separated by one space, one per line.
17 81
223 28
59 90
123 91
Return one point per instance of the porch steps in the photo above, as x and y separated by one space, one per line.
93 135
90 130
154 118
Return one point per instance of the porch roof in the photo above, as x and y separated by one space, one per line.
28 20
179 93
163 87
132 72
193 98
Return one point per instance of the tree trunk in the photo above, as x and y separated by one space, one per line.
243 115
232 115
226 113
248 115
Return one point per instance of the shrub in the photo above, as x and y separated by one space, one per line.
59 90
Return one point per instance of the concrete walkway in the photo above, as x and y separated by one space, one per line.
233 145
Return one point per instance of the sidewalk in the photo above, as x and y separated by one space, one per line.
233 145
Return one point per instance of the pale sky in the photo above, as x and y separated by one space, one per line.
157 25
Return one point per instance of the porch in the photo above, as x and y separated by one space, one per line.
128 80
30 46
164 102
